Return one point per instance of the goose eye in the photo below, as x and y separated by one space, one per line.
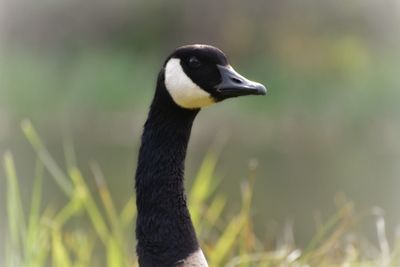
194 62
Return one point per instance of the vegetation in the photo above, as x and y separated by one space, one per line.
86 69
104 237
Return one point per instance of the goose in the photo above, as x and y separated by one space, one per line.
192 77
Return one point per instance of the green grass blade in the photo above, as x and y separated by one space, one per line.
128 213
326 229
59 251
72 208
44 155
69 153
15 213
90 205
105 196
84 254
227 241
114 254
34 225
202 188
214 211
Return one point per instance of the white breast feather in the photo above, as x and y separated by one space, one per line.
195 259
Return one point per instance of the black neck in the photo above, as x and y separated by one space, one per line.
164 230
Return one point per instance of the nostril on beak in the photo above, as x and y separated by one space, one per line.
236 80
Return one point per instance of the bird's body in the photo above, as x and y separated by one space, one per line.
192 77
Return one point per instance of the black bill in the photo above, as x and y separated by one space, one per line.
233 84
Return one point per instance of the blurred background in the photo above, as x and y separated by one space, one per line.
84 72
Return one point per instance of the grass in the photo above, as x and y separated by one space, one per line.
89 230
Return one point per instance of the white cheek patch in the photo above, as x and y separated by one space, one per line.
182 89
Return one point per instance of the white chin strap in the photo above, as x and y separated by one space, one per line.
182 89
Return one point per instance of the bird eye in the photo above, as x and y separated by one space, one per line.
194 62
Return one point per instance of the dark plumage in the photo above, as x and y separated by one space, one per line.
164 229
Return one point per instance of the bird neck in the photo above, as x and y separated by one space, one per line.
164 229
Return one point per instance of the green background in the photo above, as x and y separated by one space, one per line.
84 72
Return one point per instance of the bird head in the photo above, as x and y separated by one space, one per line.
197 76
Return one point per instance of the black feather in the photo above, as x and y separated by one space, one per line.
164 230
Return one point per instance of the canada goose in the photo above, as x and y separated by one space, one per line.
192 77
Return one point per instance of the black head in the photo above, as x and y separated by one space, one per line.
199 75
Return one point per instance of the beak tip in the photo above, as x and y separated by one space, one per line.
233 84
261 89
